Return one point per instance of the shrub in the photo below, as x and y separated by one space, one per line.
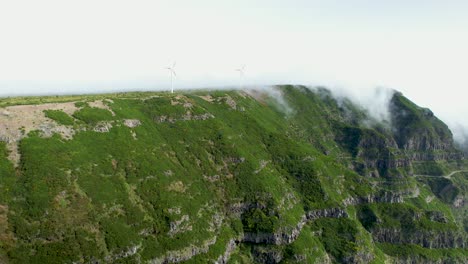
60 117
92 115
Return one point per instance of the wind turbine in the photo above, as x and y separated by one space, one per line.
241 71
173 74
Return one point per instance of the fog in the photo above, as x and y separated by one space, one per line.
417 47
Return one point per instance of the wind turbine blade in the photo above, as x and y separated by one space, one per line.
174 64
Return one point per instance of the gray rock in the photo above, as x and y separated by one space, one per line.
132 123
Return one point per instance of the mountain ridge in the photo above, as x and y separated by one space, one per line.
228 177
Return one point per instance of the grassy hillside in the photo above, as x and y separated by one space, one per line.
228 176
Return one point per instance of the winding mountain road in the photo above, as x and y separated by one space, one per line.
448 176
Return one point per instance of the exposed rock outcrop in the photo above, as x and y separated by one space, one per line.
267 255
184 254
103 127
283 236
130 251
427 239
386 197
360 258
419 133
459 202
416 259
132 123
230 247
186 117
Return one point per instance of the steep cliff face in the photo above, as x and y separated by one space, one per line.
416 129
426 239
374 153
414 134
227 177
281 237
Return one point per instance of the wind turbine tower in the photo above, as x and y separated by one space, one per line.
173 75
241 71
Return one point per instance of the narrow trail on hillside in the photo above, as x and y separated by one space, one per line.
448 176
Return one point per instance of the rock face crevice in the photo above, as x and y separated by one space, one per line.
419 259
386 197
414 135
184 254
378 154
419 133
427 239
282 237
186 117
230 247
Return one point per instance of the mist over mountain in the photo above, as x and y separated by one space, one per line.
374 99
418 49
299 131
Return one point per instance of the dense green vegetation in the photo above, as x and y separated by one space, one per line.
92 115
201 170
60 117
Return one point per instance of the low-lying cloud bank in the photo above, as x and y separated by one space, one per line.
460 135
376 101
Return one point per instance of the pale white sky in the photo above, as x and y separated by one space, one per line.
419 47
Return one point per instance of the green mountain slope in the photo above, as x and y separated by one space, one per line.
227 177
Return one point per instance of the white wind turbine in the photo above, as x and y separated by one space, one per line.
241 71
173 74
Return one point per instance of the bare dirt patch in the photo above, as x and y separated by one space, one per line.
207 98
17 121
